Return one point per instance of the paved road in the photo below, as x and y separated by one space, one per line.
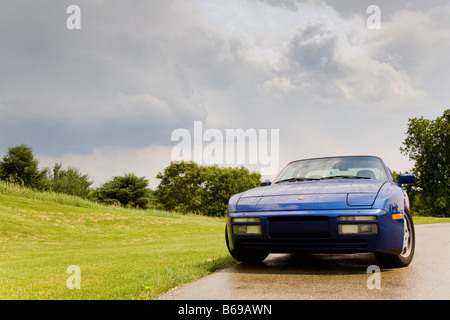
285 277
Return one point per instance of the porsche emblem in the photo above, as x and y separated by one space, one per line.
301 198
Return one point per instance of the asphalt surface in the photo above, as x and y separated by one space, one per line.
286 277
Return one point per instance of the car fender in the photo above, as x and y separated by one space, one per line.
390 198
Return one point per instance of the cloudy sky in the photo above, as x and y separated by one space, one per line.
107 98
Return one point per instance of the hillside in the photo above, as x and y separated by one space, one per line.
121 253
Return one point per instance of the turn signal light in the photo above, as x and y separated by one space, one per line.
397 216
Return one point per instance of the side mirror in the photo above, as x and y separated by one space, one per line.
265 183
406 179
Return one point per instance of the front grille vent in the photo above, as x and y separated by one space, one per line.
297 218
299 235
286 245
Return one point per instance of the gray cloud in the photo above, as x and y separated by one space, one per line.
117 81
134 73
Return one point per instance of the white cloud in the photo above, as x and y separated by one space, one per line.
312 53
278 84
101 164
417 43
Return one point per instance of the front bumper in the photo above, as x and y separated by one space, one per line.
316 232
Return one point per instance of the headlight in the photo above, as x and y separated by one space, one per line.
360 228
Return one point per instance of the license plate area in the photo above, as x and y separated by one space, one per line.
295 227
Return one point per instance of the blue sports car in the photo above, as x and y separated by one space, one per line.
345 204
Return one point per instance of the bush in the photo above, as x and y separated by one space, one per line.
70 181
127 191
21 167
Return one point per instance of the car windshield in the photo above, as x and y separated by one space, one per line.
333 168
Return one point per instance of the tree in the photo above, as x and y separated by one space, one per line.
221 184
428 145
188 187
20 166
179 189
128 191
70 181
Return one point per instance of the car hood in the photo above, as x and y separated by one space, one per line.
309 195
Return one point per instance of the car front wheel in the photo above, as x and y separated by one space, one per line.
405 257
245 257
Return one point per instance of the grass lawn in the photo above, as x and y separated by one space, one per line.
429 220
121 253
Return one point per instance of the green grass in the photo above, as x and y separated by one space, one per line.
429 220
121 253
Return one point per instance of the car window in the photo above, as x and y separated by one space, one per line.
358 167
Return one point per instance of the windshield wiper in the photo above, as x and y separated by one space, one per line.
323 178
297 179
344 177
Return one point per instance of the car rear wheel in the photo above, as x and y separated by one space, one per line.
245 257
405 257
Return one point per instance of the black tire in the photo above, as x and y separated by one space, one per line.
404 258
249 258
